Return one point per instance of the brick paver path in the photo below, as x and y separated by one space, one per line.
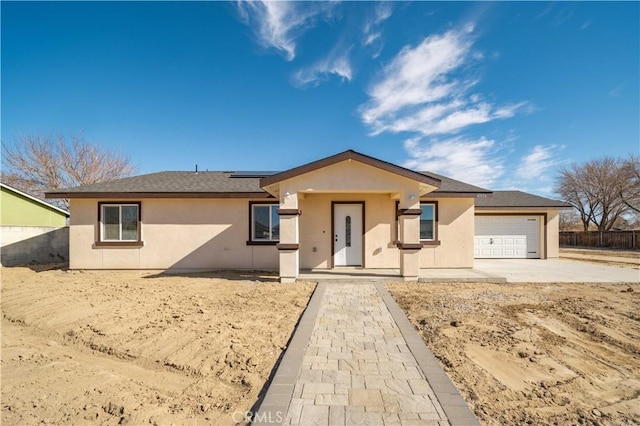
358 369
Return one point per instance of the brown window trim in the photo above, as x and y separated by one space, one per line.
410 246
262 243
292 246
411 212
251 241
396 228
119 244
289 212
435 223
408 212
123 243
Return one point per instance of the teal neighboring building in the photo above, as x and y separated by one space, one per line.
32 231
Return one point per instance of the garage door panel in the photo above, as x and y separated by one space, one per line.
507 237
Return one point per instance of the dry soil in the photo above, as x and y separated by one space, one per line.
612 257
535 353
126 347
116 347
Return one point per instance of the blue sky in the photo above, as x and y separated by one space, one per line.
500 95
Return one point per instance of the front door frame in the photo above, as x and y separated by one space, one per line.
333 230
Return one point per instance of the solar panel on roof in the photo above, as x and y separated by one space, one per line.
252 174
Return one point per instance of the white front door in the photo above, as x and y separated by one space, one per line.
347 235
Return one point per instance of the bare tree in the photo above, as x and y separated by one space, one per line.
36 163
594 189
630 185
570 220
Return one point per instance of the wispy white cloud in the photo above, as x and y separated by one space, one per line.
535 170
423 90
485 163
475 161
336 63
381 13
616 92
277 24
549 7
370 38
427 91
561 17
535 165
372 33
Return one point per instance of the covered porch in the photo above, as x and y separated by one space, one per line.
350 213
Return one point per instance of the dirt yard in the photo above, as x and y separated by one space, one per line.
611 257
535 353
115 348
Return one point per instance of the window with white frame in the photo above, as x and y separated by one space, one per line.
265 222
119 222
428 222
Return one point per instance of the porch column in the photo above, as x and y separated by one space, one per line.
409 243
288 246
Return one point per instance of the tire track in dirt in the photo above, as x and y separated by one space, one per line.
120 347
535 353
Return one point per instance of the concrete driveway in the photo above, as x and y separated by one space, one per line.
555 270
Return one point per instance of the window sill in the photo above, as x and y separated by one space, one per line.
119 244
262 243
424 243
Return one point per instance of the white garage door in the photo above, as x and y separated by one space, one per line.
507 237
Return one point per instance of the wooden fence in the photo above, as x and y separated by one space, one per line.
611 239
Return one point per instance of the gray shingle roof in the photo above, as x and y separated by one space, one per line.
184 183
169 183
176 184
452 185
517 199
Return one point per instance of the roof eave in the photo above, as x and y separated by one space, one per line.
521 207
117 195
453 194
349 155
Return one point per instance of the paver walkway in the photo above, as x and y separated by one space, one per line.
357 368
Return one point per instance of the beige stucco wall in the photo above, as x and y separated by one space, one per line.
191 234
200 234
350 181
351 177
178 234
455 233
553 233
316 234
550 240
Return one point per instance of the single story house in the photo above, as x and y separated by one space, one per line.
347 210
32 230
